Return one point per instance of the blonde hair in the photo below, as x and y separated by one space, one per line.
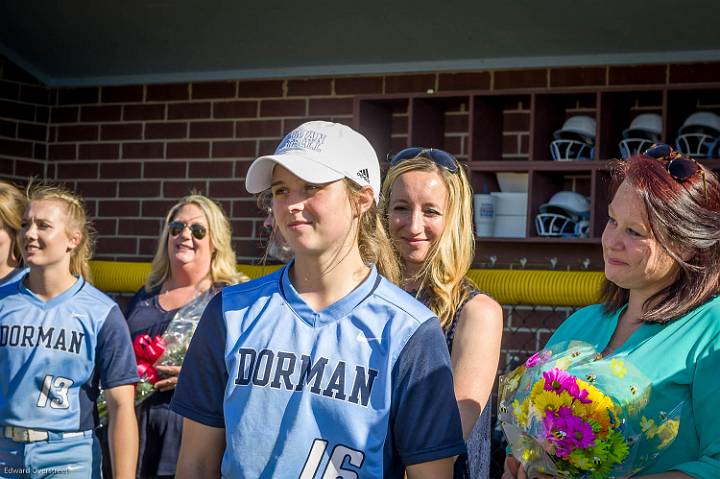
12 205
373 241
223 268
77 220
441 277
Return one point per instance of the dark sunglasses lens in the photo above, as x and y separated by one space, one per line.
405 154
658 151
681 169
198 231
176 227
444 159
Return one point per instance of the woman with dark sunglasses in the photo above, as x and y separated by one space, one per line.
427 205
661 309
193 260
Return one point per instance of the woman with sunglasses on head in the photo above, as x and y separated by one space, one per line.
12 204
194 259
323 368
60 341
661 309
428 209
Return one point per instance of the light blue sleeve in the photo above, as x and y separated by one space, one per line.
705 396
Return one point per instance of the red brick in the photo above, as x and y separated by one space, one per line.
9 90
260 88
637 75
516 121
157 208
64 114
140 151
168 92
108 245
695 72
96 189
144 112
399 125
28 168
105 226
78 133
17 111
358 85
210 169
34 94
510 144
569 77
32 131
121 169
309 87
173 130
77 170
248 248
147 247
409 83
99 151
218 89
187 111
212 129
228 189
243 228
241 168
519 340
77 96
464 81
258 128
282 108
16 148
7 166
525 144
188 149
140 227
507 79
177 189
40 151
165 169
246 207
330 106
265 147
122 94
233 149
139 189
42 114
235 109
124 131
62 152
101 113
8 128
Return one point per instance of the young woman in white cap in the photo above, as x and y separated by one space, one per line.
323 368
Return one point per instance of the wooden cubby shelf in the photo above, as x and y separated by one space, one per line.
511 131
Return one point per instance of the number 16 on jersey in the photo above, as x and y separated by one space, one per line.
334 468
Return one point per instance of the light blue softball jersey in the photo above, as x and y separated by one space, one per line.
361 389
55 354
682 361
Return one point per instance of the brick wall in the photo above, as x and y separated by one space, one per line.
24 116
133 150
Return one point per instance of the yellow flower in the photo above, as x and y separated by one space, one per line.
521 412
667 432
601 409
618 368
527 454
550 400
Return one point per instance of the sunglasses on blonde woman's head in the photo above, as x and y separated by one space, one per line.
678 166
196 229
440 157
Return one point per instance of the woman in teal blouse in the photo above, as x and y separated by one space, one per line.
661 309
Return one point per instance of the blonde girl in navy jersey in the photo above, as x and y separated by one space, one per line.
60 340
323 368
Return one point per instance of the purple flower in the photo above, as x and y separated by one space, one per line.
567 432
558 380
539 357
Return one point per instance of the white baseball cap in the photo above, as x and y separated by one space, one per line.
320 152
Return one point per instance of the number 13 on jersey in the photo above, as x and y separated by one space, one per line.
334 468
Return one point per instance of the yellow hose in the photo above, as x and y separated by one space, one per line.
557 288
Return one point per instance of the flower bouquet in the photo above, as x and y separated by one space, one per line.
568 412
170 348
